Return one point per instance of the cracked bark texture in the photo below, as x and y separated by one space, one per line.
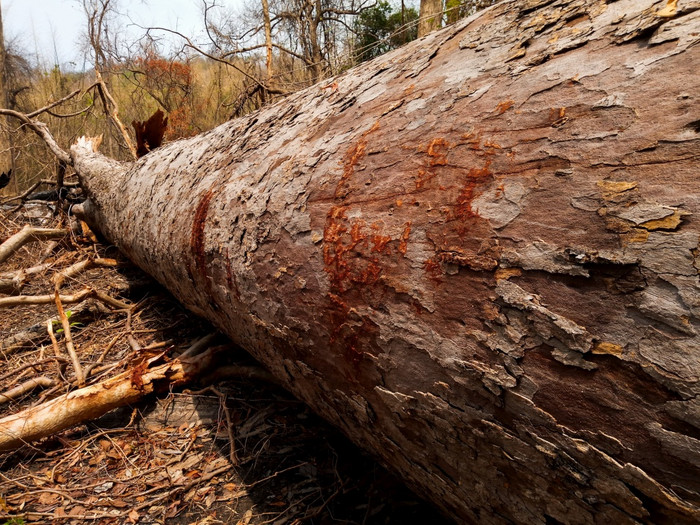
476 255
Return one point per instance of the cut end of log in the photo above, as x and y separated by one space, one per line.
87 144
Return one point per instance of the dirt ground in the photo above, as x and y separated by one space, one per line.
240 451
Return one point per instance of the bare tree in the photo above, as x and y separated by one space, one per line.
103 46
6 157
268 39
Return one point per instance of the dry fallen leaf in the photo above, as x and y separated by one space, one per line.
48 498
78 510
246 517
104 487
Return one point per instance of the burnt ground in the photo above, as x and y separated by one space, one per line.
239 451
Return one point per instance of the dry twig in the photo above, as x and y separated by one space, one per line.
25 387
79 267
70 348
77 297
27 234
42 130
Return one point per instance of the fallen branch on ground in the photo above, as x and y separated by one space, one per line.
70 348
79 267
96 400
27 234
13 282
77 297
25 387
36 333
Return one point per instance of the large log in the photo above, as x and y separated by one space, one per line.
476 255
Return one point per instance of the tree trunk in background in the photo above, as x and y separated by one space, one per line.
476 255
5 144
430 16
268 42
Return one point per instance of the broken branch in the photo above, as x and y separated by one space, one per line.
25 387
79 375
42 130
96 400
65 299
27 234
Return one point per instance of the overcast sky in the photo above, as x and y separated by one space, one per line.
50 30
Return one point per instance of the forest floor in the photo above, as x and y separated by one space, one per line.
240 451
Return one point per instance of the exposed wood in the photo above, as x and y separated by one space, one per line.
477 256
149 133
98 399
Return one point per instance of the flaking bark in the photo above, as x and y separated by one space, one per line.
476 255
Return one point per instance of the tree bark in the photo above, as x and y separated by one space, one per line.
476 255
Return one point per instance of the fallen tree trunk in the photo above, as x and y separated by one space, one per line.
477 256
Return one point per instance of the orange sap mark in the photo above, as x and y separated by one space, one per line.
464 201
403 240
437 151
504 106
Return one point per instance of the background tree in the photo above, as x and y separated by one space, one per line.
103 46
430 16
381 28
5 145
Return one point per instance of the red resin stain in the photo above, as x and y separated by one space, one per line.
334 249
379 241
504 106
437 151
403 240
476 176
423 177
197 235
352 156
341 236
433 270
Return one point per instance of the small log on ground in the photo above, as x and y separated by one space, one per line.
96 400
476 255
25 235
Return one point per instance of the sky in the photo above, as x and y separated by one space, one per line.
49 31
